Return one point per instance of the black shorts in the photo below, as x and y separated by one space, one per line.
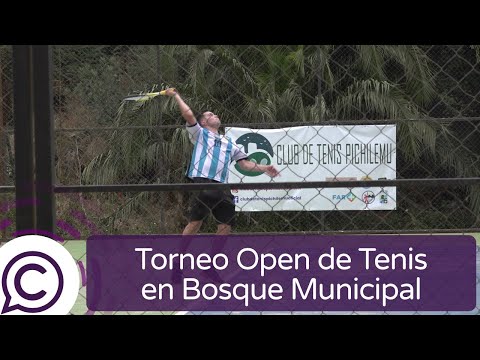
219 203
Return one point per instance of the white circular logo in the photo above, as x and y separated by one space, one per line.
38 276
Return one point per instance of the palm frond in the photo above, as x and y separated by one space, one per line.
319 63
377 99
198 69
319 111
231 58
417 74
297 57
371 61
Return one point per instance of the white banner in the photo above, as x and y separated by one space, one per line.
317 153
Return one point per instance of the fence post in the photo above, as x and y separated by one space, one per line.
319 93
23 112
44 137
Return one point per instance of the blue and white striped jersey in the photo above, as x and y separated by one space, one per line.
212 154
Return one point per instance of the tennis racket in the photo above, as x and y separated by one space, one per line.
145 96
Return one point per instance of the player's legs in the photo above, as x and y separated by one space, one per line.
224 213
192 227
199 210
224 229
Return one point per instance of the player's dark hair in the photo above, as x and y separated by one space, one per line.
199 118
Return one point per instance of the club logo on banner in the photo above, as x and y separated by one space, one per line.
260 157
317 153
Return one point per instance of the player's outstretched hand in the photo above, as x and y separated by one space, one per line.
272 171
170 92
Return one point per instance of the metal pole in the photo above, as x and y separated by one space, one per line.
319 92
161 170
23 112
44 137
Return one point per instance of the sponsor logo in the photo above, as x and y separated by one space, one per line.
384 197
368 197
350 197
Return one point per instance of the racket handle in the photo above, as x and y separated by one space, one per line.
164 92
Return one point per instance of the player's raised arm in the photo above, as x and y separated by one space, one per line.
185 110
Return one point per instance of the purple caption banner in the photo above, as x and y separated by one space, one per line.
281 273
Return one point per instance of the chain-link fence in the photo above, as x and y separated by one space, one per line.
7 164
428 95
